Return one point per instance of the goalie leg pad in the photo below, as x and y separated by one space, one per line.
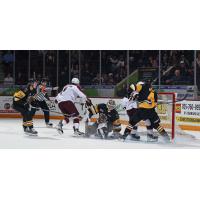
102 130
90 128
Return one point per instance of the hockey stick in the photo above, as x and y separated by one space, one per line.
67 115
159 103
171 102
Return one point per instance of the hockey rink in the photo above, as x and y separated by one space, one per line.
12 136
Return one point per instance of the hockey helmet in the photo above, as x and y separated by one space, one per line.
75 81
111 104
141 82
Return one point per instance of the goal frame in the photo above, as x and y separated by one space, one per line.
173 97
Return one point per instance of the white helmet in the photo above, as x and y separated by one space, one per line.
75 81
141 83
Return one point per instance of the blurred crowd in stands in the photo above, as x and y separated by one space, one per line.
17 67
178 68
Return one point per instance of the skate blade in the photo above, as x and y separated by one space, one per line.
134 139
60 131
49 126
78 135
152 140
31 134
121 139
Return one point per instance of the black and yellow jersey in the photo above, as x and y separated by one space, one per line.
147 97
20 97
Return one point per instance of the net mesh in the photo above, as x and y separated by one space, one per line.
166 111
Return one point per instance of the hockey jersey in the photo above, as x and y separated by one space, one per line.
147 97
102 108
20 97
128 104
41 93
70 93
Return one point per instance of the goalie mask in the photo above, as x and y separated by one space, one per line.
111 104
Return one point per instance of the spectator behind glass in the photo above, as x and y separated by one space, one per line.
110 79
8 57
121 62
75 71
113 60
96 79
8 80
64 78
176 79
86 77
183 69
104 78
190 76
198 70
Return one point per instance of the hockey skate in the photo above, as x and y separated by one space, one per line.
59 127
102 135
30 131
134 137
49 125
78 133
102 132
115 135
124 136
152 137
165 137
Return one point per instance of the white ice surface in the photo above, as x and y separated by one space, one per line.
12 136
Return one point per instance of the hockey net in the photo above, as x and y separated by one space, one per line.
166 111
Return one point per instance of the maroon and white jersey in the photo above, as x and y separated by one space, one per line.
70 93
128 104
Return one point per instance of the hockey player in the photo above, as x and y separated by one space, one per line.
66 99
147 102
21 104
107 121
131 108
41 97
